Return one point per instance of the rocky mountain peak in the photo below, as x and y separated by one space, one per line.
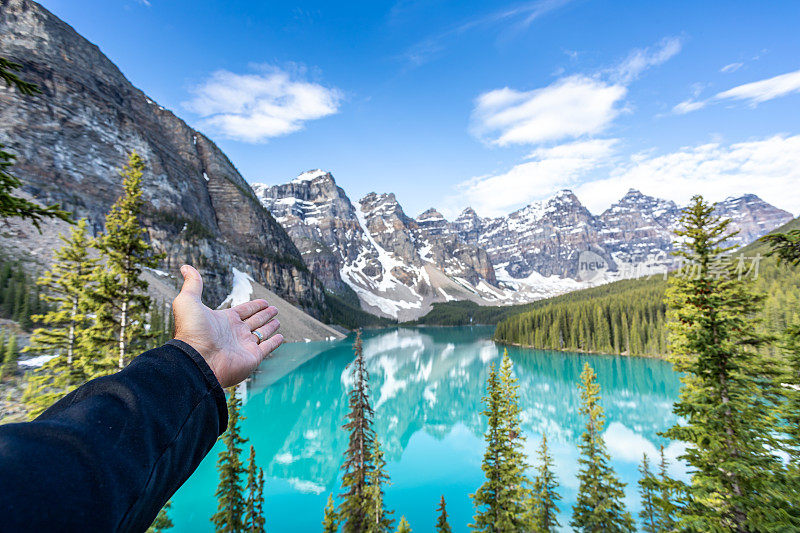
430 214
751 216
312 175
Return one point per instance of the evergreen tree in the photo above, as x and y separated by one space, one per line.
162 521
230 497
502 499
647 488
380 518
65 324
600 506
9 367
330 522
403 527
254 504
441 524
727 387
665 506
13 206
120 301
544 509
356 506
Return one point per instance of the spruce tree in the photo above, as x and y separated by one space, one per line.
502 500
119 300
230 498
403 527
254 504
162 521
330 522
441 523
65 325
665 505
727 389
379 518
600 506
544 508
9 367
485 498
786 246
647 488
13 206
356 506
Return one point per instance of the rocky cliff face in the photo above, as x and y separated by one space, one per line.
396 265
72 140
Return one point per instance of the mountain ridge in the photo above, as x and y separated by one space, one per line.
71 141
532 253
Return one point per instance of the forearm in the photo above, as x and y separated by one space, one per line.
112 452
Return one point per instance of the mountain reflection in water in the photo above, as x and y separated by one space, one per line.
427 385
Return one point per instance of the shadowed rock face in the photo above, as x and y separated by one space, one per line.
72 140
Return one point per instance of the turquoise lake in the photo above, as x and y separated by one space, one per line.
427 385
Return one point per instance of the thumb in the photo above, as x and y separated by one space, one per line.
192 282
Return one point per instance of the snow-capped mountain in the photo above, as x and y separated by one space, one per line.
632 236
397 266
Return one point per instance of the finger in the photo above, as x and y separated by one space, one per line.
247 309
269 329
192 282
261 318
269 345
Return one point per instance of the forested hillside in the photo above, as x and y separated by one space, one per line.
628 317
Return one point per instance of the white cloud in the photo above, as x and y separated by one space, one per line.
753 93
256 107
548 170
569 108
641 59
732 67
514 19
761 91
768 167
687 106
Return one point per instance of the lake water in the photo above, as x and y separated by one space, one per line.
427 385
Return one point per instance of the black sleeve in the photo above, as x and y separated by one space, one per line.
107 456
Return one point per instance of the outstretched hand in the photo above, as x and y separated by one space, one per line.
225 338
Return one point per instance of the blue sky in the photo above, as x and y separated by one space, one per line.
489 104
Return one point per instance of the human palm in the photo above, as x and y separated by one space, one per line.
232 341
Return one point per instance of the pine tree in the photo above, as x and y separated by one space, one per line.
665 506
357 503
379 517
544 509
162 521
441 524
9 367
120 301
230 497
786 246
600 506
254 513
727 386
502 499
647 488
65 325
330 522
403 527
